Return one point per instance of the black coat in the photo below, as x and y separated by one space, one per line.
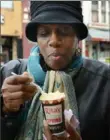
92 85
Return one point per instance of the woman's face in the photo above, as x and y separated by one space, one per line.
57 43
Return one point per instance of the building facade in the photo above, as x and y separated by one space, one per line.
97 18
27 45
11 30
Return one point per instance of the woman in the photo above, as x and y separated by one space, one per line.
57 27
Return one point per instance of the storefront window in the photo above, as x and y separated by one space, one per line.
3 59
6 4
104 52
95 52
104 49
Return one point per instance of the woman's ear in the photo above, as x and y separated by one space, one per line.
78 49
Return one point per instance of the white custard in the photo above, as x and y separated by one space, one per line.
52 96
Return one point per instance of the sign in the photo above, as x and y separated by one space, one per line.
2 19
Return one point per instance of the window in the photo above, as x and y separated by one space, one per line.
95 16
95 5
103 6
109 17
103 11
103 17
1 19
109 6
7 4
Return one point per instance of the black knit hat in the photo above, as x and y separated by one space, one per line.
60 12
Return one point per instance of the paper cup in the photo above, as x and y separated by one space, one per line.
54 113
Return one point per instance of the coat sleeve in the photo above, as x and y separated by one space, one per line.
10 122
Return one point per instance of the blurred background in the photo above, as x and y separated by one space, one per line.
15 15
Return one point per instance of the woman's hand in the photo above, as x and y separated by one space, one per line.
16 90
71 133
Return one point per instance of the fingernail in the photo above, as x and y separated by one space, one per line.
44 137
68 114
74 121
71 118
26 73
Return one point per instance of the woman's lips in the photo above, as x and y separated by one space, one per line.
56 56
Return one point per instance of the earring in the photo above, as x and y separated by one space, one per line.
78 51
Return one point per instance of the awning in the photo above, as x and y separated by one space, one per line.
98 35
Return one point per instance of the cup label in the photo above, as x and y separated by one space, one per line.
53 114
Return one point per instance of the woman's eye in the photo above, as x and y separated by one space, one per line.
43 33
63 32
66 31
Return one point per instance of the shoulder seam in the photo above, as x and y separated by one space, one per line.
97 74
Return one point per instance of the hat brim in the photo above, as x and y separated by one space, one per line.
55 17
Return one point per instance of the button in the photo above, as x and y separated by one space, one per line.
6 116
9 124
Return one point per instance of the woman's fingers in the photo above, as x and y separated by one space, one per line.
20 87
72 131
47 132
15 79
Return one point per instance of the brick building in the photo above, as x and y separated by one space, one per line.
11 30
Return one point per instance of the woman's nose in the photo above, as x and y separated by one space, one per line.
55 40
